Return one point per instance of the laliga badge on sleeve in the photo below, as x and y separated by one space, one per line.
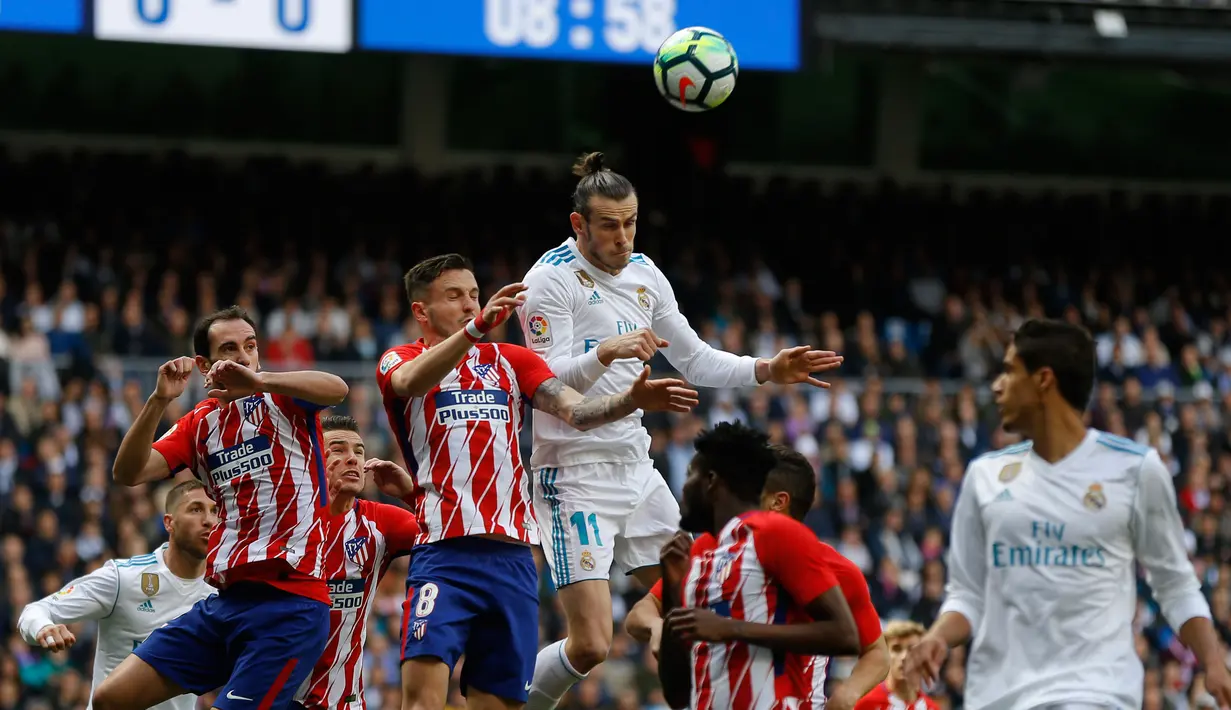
387 362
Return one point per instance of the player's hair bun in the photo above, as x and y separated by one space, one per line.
589 164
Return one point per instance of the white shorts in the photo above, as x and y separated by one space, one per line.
593 515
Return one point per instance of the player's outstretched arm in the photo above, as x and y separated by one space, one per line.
43 622
675 655
418 376
584 413
1158 540
137 461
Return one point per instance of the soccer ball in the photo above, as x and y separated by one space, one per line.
695 69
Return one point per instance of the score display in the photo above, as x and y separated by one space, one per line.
765 33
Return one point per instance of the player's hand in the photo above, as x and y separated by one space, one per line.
1218 684
674 559
842 699
640 344
57 637
666 395
689 625
502 304
390 478
927 658
229 381
173 378
795 365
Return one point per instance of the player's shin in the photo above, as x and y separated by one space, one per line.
553 676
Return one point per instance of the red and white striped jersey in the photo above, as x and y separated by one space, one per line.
801 684
260 460
359 545
752 571
461 441
880 698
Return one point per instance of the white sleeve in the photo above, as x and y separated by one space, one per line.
1158 540
691 356
90 597
965 590
548 309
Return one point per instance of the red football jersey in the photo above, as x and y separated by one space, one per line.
260 460
461 441
359 545
755 570
881 699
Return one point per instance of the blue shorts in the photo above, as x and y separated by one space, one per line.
253 642
477 597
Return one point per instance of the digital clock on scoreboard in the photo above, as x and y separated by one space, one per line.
765 33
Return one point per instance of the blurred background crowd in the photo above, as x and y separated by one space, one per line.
106 261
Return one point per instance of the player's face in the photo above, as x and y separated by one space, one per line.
898 649
1017 393
192 521
344 457
696 508
606 236
233 340
451 303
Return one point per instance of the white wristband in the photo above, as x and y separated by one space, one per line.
473 334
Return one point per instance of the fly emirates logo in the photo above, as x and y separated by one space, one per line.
1047 547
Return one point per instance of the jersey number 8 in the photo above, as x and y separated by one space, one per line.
427 599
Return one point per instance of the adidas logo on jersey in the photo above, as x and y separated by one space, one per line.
1004 495
147 606
595 299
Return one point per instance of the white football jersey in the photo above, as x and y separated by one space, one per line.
129 599
1042 564
572 306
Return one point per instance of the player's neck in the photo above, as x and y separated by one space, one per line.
724 512
904 690
182 564
340 504
595 263
1058 434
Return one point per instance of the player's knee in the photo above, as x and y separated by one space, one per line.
587 651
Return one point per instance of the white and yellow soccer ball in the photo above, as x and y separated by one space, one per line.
696 69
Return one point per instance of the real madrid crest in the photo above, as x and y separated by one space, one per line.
587 560
1009 472
149 583
643 298
585 279
1095 499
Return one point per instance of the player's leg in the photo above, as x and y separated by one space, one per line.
277 638
500 655
580 512
436 622
187 655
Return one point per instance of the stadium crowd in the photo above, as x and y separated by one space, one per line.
105 263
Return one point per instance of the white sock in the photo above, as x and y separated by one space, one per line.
553 676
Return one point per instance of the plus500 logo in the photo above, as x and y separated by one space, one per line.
308 25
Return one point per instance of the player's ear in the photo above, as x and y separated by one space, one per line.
203 364
167 522
419 311
579 223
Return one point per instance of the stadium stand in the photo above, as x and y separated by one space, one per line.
106 260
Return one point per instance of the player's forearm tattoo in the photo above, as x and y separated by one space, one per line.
588 413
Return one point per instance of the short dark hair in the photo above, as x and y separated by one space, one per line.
335 422
792 474
200 336
597 180
739 455
421 276
179 491
1065 348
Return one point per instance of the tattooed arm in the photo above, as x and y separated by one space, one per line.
581 412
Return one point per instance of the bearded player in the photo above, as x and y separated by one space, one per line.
596 311
755 590
255 444
789 489
131 597
1046 538
456 407
361 538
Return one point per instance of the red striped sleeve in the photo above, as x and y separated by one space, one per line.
531 369
792 556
